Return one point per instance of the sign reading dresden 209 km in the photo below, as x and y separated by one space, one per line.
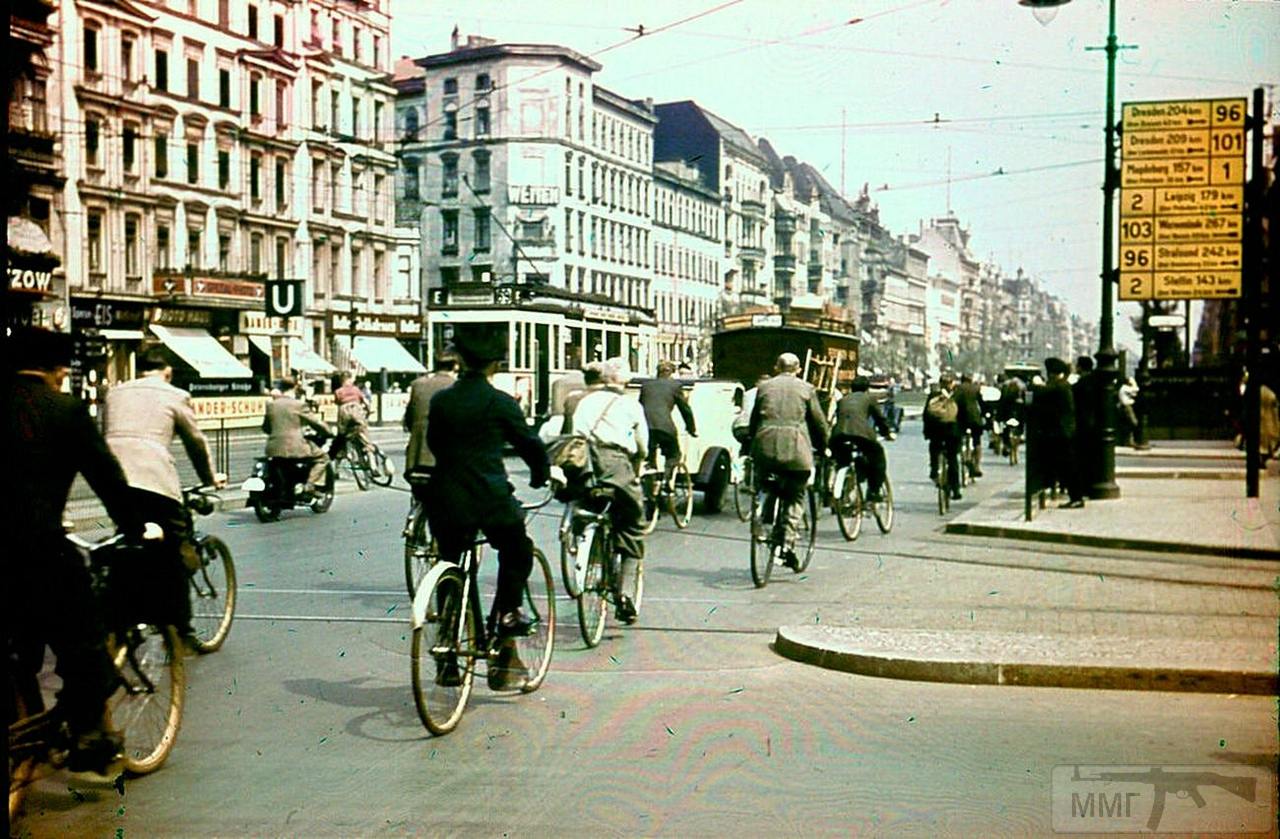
1182 199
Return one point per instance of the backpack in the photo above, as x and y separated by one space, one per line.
941 409
575 454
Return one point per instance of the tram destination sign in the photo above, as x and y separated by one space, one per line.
1182 169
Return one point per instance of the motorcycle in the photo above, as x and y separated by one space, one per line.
279 483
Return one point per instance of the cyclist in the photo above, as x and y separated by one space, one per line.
283 423
471 422
417 455
942 430
968 398
659 397
787 424
142 418
858 418
353 413
1011 406
618 428
49 437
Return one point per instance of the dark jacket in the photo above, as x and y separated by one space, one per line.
49 437
424 388
1085 394
934 429
1053 410
471 423
968 397
856 414
787 424
658 397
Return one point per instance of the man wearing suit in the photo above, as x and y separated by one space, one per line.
49 437
142 418
1054 423
658 397
968 398
417 455
283 424
787 424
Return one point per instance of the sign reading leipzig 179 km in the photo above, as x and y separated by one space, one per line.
1182 199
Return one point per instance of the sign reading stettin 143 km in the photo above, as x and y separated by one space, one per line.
1182 199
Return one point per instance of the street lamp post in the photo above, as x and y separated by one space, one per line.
1102 460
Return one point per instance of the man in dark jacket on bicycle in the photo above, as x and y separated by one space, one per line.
858 418
471 422
659 397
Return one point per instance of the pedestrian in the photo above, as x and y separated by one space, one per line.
1054 422
1126 398
942 430
1086 394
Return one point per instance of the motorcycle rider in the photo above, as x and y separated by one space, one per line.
285 417
142 418
856 414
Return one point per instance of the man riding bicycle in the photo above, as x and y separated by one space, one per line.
858 418
787 424
968 397
353 412
659 397
471 423
418 458
618 428
142 418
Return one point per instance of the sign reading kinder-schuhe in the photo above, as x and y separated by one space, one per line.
1182 199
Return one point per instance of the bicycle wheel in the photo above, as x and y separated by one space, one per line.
637 594
213 594
420 549
22 769
147 708
681 498
442 655
650 486
359 463
944 495
540 604
381 470
808 528
761 541
849 502
743 494
593 600
883 509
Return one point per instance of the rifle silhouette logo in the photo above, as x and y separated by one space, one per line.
1182 784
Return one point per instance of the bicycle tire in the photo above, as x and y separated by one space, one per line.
944 493
322 502
761 548
382 473
21 772
448 631
213 595
849 502
637 593
420 549
649 489
359 464
536 648
681 499
809 525
743 494
147 708
593 600
883 510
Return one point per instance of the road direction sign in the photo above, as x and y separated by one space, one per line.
1182 174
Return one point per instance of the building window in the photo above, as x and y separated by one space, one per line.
282 105
282 256
379 184
224 251
582 178
255 176
91 49
335 110
162 155
193 78
377 122
483 83
335 41
131 225
193 247
450 124
568 174
278 33
162 247
255 81
357 272
224 14
450 87
282 176
482 242
126 57
193 163
448 277
377 51
582 240
253 22
130 147
335 175
95 241
224 88
449 232
162 70
482 121
568 230
91 126
411 192
317 93
449 176
355 116
411 124
255 253
357 48
481 180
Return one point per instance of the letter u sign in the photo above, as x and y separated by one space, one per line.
284 298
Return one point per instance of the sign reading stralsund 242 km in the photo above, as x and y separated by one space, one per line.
1182 199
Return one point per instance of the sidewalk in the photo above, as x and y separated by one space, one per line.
1202 617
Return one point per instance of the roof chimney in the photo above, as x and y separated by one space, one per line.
453 38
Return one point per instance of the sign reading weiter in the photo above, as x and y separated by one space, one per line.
1182 199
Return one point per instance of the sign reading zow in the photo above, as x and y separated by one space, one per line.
1181 199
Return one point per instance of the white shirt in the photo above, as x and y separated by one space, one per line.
610 417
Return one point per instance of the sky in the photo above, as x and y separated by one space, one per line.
921 100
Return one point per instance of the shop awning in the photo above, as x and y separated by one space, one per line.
376 353
122 334
202 351
307 360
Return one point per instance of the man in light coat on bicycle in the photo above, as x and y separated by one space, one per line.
617 427
787 424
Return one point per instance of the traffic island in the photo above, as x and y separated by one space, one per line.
1234 666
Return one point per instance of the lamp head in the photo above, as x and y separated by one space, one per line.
1043 10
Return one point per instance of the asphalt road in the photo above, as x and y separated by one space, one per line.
684 725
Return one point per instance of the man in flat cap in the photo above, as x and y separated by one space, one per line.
1054 413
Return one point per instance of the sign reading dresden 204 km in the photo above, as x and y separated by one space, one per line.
1182 199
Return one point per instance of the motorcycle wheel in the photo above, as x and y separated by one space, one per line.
324 499
264 510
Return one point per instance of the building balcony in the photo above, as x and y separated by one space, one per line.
816 270
751 253
784 224
784 262
752 207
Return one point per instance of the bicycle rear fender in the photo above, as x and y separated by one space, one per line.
422 596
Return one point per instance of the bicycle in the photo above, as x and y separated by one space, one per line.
766 547
671 490
851 504
942 479
1013 439
450 635
742 479
589 562
420 548
213 581
347 448
146 707
966 458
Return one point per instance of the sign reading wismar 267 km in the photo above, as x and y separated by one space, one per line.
1182 199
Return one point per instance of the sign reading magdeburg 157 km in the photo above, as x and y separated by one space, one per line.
1182 199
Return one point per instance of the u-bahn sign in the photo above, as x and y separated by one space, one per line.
284 298
1182 199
